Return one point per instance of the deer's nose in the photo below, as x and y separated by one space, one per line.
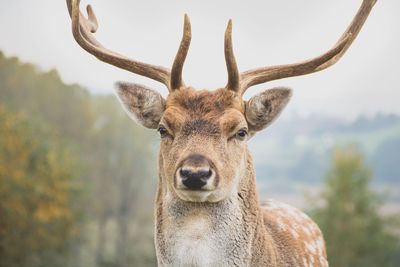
195 180
195 172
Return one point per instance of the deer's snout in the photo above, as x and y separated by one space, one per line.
195 173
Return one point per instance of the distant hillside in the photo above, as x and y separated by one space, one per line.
293 154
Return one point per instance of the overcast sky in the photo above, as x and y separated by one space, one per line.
266 32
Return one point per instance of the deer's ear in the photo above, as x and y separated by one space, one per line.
142 104
264 108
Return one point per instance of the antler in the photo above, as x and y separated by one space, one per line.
265 74
233 72
83 29
176 74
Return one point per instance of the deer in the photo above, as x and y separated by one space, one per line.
207 209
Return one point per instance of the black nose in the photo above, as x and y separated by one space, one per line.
195 180
195 171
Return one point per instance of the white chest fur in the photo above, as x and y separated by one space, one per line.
193 235
195 245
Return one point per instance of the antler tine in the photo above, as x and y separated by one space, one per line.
177 67
83 28
94 25
265 74
233 72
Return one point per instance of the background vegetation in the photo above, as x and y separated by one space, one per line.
76 175
77 178
356 233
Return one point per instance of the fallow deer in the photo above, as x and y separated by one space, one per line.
207 210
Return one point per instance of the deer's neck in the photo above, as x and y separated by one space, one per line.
227 233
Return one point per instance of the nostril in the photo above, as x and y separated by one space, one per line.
202 174
206 175
185 174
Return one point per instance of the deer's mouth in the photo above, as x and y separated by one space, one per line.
195 195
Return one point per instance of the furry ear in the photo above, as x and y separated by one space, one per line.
142 104
264 108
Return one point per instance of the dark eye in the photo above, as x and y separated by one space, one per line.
241 134
163 131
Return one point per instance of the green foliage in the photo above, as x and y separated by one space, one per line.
37 193
45 97
357 235
62 139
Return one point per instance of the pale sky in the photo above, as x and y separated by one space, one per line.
265 32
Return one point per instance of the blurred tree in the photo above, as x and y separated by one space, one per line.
38 191
120 164
357 235
114 156
43 97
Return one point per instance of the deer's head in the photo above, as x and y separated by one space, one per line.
203 153
203 134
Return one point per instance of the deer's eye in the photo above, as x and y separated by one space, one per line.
162 131
241 134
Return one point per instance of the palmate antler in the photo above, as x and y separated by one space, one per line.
84 28
241 82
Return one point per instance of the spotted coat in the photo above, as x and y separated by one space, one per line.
295 234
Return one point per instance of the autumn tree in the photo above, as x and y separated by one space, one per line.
38 191
113 156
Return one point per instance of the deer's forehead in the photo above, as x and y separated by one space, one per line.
204 102
204 111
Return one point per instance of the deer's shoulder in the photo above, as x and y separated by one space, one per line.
297 236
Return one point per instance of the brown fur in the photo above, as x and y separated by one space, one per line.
204 103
